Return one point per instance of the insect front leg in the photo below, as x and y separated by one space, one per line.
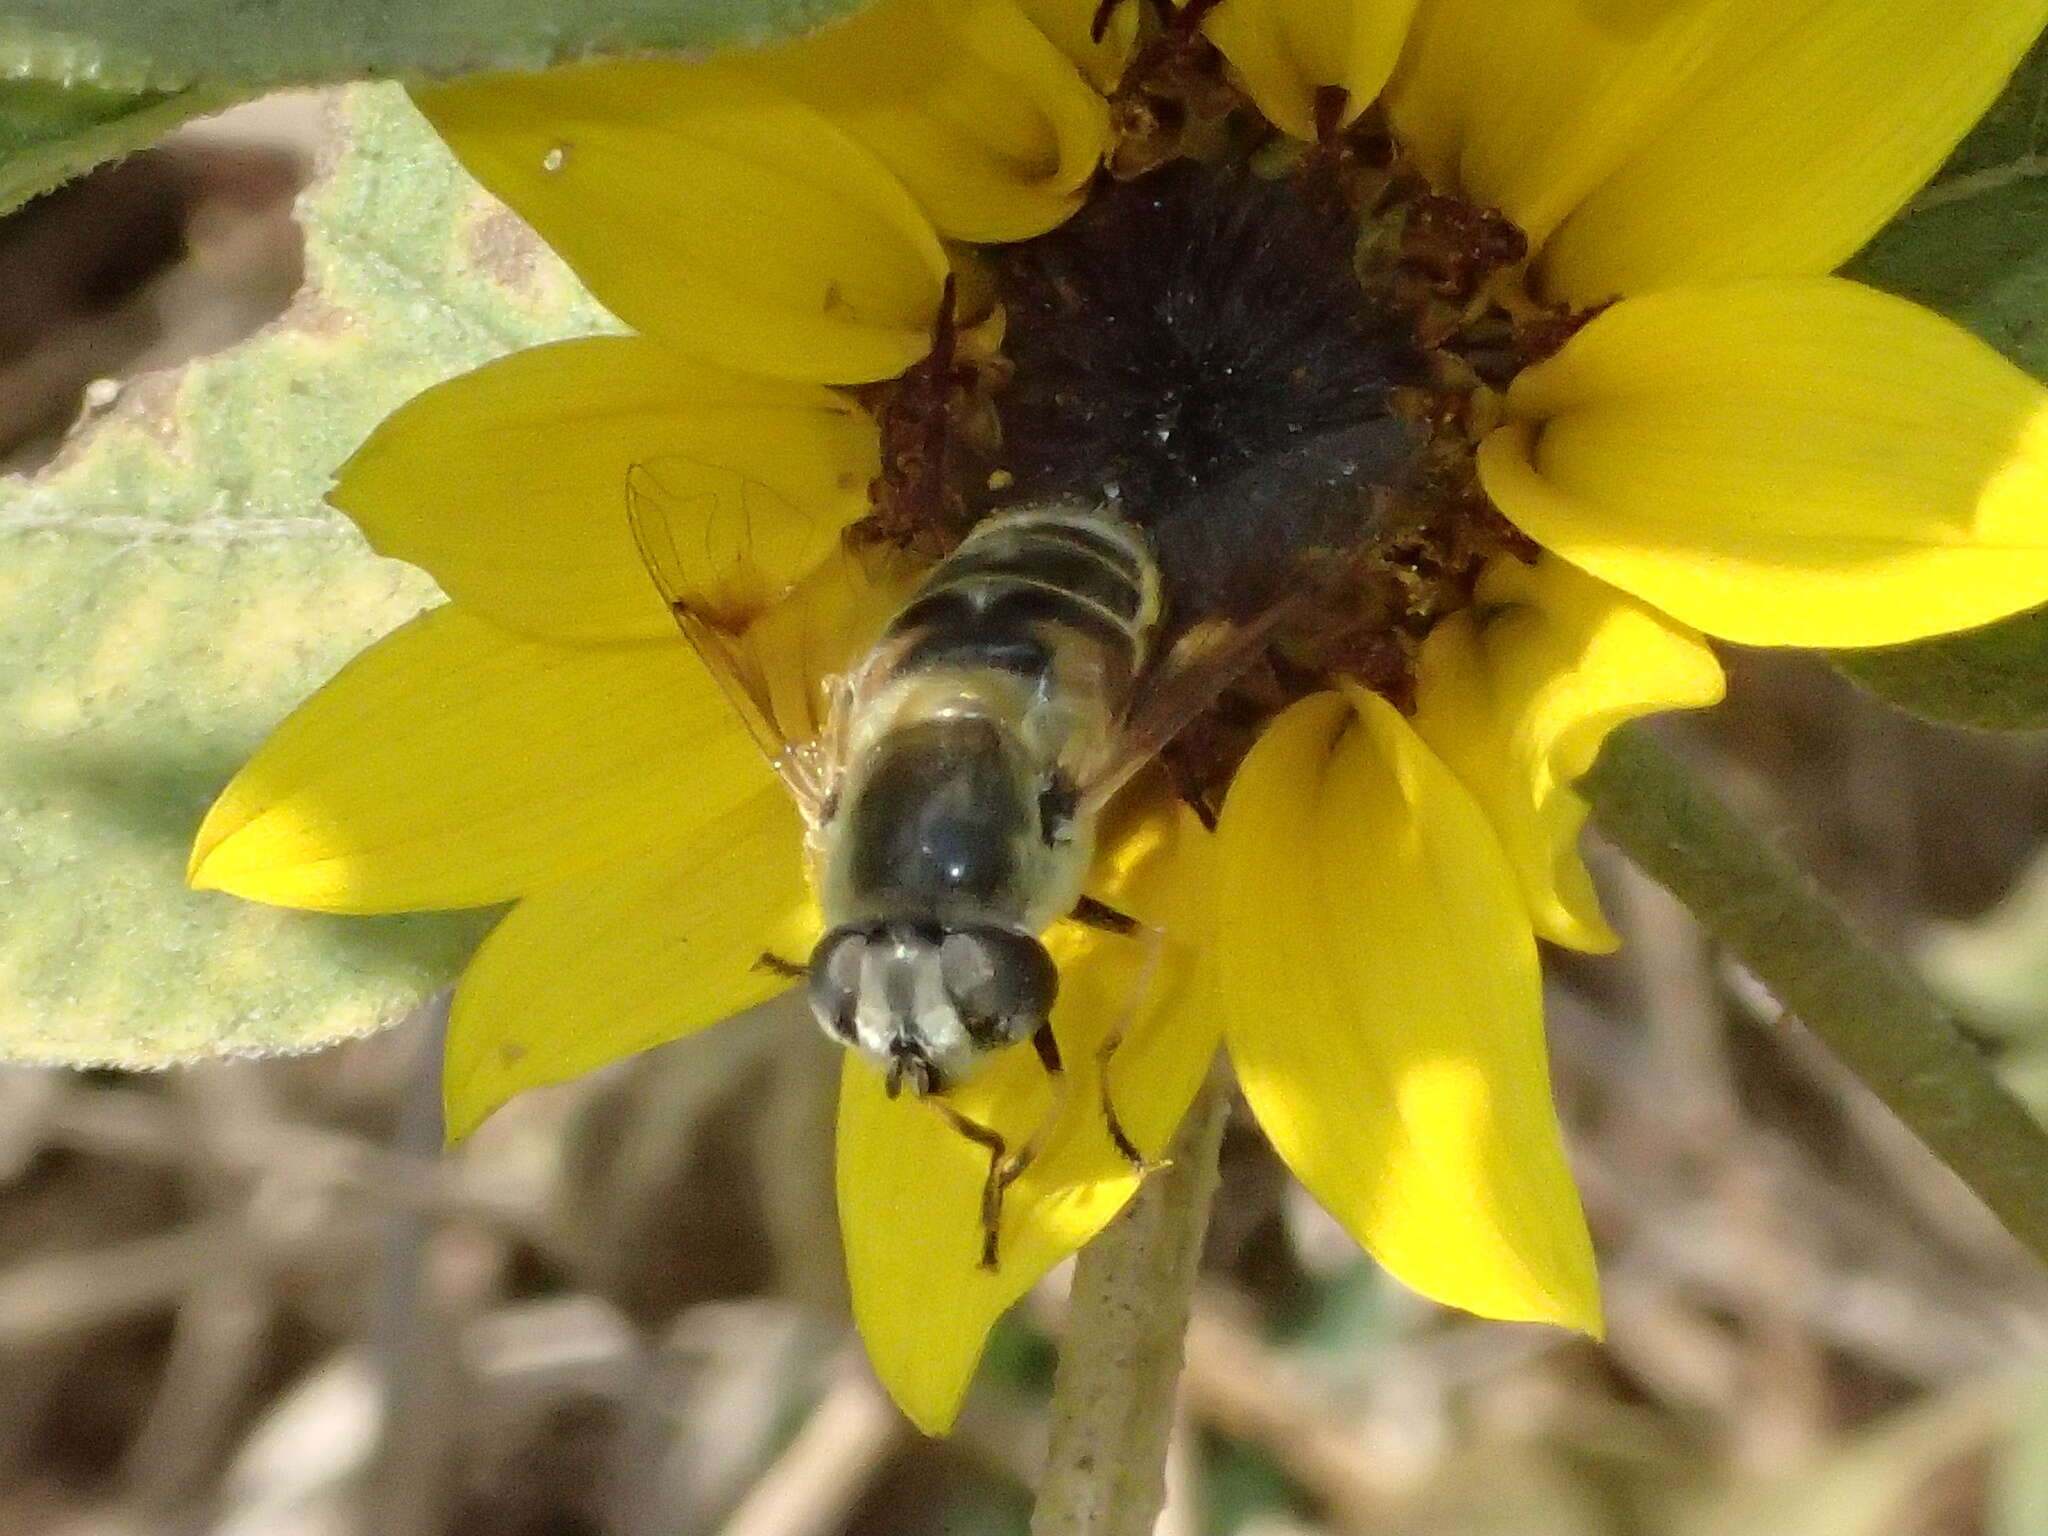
1006 1167
776 965
995 1185
1010 1168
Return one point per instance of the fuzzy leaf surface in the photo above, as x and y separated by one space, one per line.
50 133
171 585
85 81
254 45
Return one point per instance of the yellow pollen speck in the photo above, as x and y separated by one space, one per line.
1001 480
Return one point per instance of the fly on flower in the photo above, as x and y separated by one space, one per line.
951 793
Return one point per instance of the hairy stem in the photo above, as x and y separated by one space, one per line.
1105 1468
1798 942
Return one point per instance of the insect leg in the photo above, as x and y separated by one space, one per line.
1154 940
995 1185
1102 916
1048 1049
1009 1169
775 965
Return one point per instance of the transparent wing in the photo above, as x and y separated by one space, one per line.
698 547
1201 664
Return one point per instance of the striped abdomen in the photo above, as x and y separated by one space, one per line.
977 713
1026 584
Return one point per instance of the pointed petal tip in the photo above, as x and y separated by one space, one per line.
223 819
933 1414
220 861
461 1113
196 877
1584 936
1575 1312
1577 1304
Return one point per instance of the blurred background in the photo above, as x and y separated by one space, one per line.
254 1299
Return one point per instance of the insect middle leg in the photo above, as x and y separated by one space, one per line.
1101 915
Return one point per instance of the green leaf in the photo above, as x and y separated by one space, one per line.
86 81
51 133
1876 1018
1974 246
170 586
170 45
1994 678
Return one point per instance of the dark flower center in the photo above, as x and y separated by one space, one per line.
1194 349
1276 359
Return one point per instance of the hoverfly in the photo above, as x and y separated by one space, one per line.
952 793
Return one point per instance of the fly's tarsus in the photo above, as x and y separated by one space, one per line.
1007 1166
1101 915
1000 1175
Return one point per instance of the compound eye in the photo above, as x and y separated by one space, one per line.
1002 981
834 985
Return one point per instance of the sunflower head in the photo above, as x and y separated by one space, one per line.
1472 360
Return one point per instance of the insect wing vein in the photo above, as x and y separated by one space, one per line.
654 518
1200 666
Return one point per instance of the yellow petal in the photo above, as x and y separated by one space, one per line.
453 765
710 212
1070 24
1286 51
1517 693
1809 126
1793 462
1383 1007
1527 106
509 484
989 125
1157 865
910 1186
630 957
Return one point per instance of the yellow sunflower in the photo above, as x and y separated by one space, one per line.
1636 411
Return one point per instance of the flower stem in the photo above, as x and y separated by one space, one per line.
1797 941
1112 1400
